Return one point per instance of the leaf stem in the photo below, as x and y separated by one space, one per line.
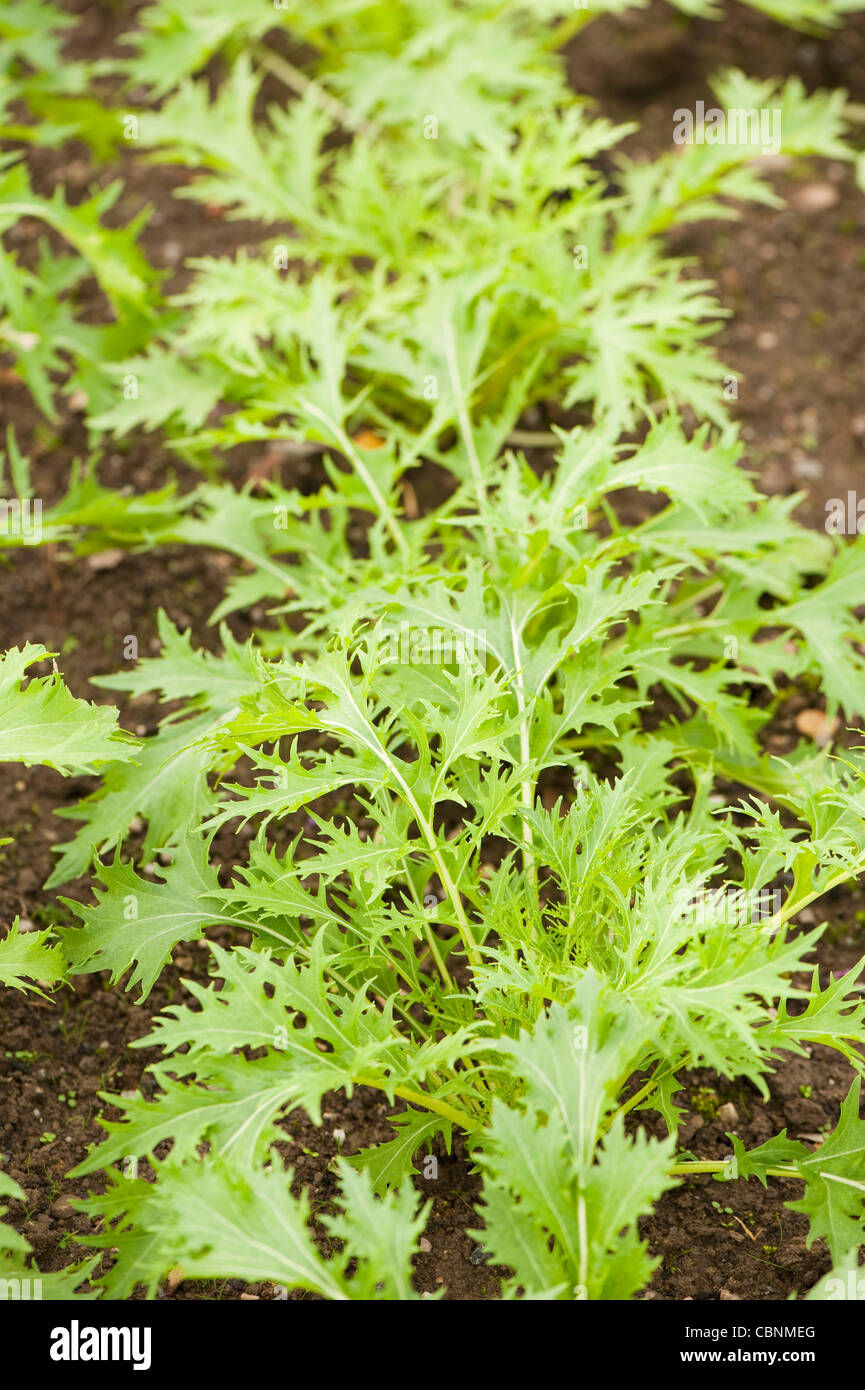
720 1165
430 934
565 30
526 787
385 511
303 86
439 1107
464 422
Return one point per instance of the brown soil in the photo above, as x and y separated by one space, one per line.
792 280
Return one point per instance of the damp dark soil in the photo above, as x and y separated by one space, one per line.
793 280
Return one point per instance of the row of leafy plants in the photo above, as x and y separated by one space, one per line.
451 237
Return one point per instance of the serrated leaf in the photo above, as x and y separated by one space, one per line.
139 919
41 722
27 957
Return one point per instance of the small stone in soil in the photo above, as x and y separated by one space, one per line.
816 724
815 197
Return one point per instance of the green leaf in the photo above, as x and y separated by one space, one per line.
41 722
141 919
167 785
835 1182
562 1194
381 1233
391 1163
25 957
834 1174
113 255
210 1220
21 1280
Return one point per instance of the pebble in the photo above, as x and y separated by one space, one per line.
814 723
809 469
728 1114
815 197
771 163
105 559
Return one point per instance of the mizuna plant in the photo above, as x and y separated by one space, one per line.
41 723
492 949
382 244
494 767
